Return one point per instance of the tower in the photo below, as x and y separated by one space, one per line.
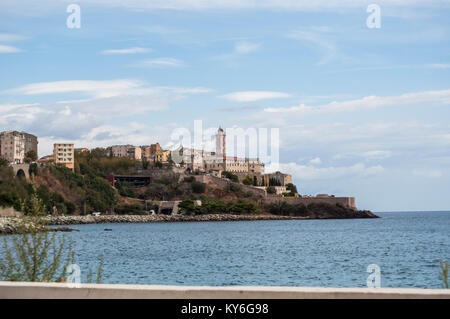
220 143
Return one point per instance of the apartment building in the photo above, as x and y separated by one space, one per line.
154 153
131 151
63 154
14 145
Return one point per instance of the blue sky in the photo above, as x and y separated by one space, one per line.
362 112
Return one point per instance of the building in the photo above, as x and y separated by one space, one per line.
63 154
154 153
14 145
131 151
218 161
277 179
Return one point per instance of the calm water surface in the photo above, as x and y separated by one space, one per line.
334 253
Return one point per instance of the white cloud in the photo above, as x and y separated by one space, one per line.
439 65
162 62
9 37
368 102
315 161
376 155
251 96
132 50
309 172
108 99
316 38
8 49
302 5
246 47
428 173
91 88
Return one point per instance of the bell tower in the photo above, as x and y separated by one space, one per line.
221 143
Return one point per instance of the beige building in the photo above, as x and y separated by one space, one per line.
277 179
217 162
63 154
131 151
14 145
154 153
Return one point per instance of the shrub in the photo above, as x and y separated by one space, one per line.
230 176
187 206
189 179
291 187
130 209
247 180
198 187
271 190
125 189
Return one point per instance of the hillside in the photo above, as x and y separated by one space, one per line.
58 190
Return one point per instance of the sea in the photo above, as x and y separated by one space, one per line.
403 249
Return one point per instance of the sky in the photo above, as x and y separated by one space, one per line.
361 111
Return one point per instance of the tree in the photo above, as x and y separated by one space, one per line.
198 187
247 180
271 190
33 170
291 187
98 152
33 206
187 206
145 163
230 176
3 162
30 156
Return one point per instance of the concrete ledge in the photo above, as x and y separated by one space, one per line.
32 290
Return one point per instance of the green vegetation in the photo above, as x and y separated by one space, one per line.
286 209
30 156
198 187
213 206
291 187
247 180
125 189
132 209
443 274
271 190
3 162
230 176
39 256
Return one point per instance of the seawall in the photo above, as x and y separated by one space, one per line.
34 290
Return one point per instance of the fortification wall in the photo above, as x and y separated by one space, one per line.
344 201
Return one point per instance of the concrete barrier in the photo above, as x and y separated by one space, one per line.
32 290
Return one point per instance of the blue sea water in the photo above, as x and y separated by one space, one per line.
407 246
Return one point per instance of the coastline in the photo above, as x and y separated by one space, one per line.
11 225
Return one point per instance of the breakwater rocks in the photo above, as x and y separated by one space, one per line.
13 225
107 219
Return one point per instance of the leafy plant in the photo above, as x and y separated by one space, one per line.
38 256
443 274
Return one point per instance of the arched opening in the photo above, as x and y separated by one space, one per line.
166 211
21 173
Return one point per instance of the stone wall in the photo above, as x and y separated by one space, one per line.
344 201
9 212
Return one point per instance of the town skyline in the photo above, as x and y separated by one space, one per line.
361 111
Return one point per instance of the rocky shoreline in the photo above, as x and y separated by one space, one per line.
13 225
